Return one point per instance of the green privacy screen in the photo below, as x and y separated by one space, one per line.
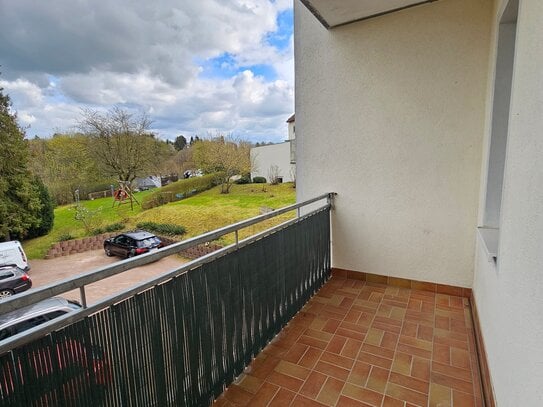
179 343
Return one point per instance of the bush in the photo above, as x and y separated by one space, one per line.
246 179
114 227
179 190
259 180
64 237
97 231
168 229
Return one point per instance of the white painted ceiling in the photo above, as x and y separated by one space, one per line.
332 13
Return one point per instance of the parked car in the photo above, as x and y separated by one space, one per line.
131 244
12 253
13 280
60 372
28 317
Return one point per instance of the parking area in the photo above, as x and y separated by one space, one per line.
44 272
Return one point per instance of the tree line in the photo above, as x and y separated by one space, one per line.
108 147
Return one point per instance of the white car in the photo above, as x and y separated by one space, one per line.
12 253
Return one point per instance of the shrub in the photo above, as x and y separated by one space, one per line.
162 228
259 180
64 237
246 179
114 227
97 231
180 189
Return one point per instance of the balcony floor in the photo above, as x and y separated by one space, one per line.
364 344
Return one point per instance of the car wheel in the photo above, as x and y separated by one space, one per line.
4 293
108 251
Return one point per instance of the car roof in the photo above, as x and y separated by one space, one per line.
36 309
139 234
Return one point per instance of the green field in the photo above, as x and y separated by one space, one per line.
206 211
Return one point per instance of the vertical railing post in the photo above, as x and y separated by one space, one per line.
237 238
83 296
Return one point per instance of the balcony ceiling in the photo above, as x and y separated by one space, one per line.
333 13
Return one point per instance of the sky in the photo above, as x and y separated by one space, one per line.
194 67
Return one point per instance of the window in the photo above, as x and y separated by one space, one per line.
500 123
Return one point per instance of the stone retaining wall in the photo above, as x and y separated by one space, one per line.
85 244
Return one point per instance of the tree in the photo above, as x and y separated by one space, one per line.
224 155
19 198
180 143
120 142
64 163
46 213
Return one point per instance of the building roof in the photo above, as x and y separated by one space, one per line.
291 119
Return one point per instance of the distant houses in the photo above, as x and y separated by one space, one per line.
276 162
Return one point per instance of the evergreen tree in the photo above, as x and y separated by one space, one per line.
180 143
19 199
47 212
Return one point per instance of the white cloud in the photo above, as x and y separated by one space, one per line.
143 55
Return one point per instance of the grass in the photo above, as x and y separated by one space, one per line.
200 213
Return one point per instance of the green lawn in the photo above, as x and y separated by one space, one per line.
201 213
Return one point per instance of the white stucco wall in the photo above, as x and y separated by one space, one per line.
390 114
264 157
509 295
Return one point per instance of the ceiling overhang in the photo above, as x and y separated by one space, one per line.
333 13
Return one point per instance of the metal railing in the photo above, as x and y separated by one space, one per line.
84 279
177 339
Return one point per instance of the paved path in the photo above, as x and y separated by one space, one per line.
47 271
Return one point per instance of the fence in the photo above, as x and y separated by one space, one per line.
179 339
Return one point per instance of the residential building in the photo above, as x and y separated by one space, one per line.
426 117
276 160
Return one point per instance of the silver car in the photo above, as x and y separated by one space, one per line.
28 317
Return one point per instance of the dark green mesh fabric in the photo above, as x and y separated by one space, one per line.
182 342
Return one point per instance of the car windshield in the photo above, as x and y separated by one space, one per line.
149 242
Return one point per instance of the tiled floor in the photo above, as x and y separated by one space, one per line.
365 344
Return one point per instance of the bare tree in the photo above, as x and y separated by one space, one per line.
225 155
121 142
273 175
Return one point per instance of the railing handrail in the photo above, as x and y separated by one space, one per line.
100 273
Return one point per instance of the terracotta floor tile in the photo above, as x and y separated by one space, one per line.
409 382
402 393
301 401
330 392
440 396
310 358
337 360
282 398
463 399
291 369
237 395
377 379
336 344
295 353
374 360
282 380
313 385
349 402
332 370
361 394
351 348
367 344
250 383
359 374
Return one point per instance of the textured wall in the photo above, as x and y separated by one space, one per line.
509 295
390 114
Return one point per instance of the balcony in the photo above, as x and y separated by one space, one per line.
358 343
264 321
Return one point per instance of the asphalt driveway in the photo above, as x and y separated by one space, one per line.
44 272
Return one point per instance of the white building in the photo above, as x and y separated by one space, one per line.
276 160
428 123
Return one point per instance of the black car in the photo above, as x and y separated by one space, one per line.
13 280
130 244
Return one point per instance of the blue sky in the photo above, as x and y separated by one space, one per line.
195 68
